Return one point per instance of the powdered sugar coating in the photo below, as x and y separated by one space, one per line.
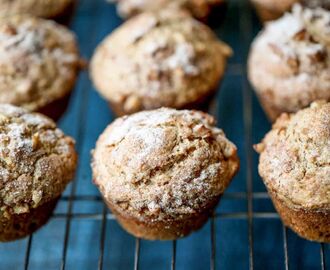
289 62
156 60
164 163
270 10
295 158
36 160
42 8
39 61
198 8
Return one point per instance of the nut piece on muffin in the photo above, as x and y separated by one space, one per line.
37 161
51 9
200 9
289 62
162 172
295 167
158 60
269 10
39 64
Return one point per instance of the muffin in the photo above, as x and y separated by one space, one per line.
158 60
317 3
162 172
37 162
200 9
269 10
39 64
50 9
295 167
289 62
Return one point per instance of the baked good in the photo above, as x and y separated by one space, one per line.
37 161
269 10
162 172
317 3
39 64
51 9
200 9
158 60
289 62
295 167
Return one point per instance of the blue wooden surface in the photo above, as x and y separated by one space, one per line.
86 118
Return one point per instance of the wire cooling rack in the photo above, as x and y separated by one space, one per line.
244 233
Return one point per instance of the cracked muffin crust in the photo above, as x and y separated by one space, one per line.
37 161
295 166
40 8
289 62
269 10
200 9
39 63
159 59
162 172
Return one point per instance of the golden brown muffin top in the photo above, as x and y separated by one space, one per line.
164 163
295 157
200 9
36 160
159 59
39 61
40 8
290 59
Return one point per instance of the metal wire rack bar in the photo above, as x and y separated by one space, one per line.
246 32
173 260
102 237
137 254
285 242
79 140
226 196
323 266
238 215
28 252
213 242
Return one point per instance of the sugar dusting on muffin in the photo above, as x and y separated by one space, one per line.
27 39
163 163
36 160
159 59
295 157
198 8
39 61
290 37
289 62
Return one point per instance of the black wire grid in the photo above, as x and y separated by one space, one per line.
250 196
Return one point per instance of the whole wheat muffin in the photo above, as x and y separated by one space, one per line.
39 64
289 62
51 9
317 3
273 9
295 166
36 163
159 59
200 9
162 172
